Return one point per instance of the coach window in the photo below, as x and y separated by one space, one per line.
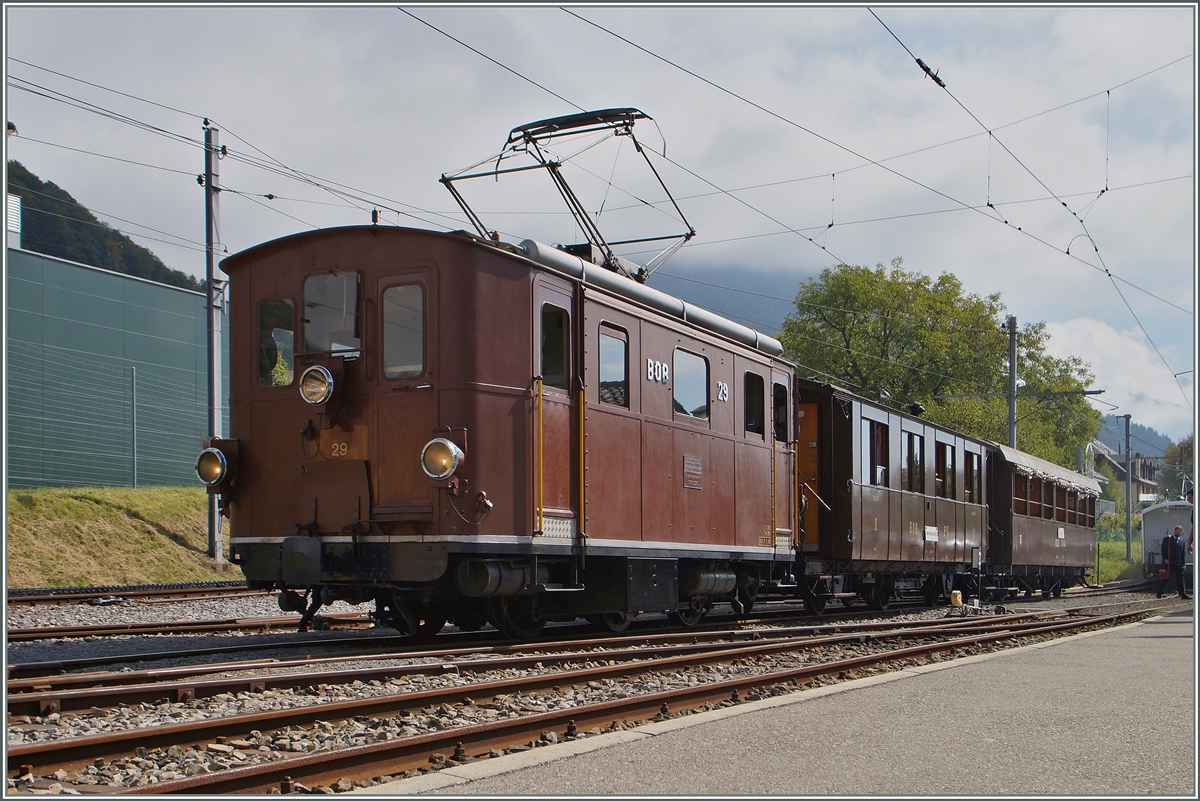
1049 499
691 384
756 406
614 367
943 470
1072 507
781 413
971 478
912 462
403 331
874 453
1035 496
331 314
276 342
1091 511
1060 504
556 346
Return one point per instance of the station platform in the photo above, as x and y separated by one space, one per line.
1109 713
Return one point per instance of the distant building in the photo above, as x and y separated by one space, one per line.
107 375
1145 470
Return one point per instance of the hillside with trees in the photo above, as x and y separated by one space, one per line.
54 223
901 338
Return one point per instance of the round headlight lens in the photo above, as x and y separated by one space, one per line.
316 385
211 466
441 458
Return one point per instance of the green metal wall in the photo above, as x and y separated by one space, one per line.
74 333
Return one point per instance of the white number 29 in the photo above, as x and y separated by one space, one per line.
722 391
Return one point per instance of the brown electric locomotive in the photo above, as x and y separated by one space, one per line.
458 429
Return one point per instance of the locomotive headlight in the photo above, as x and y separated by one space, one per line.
316 385
211 466
441 458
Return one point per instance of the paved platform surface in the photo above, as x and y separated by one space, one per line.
1094 714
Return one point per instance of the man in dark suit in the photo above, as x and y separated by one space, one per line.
1173 558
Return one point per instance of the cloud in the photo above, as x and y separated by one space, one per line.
1130 373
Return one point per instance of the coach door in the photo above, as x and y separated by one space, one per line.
556 463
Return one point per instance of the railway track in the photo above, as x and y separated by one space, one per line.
145 593
357 645
251 624
476 690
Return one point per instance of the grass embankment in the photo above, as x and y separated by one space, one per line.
1113 566
90 536
159 535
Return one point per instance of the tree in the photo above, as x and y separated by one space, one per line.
900 338
56 224
1177 465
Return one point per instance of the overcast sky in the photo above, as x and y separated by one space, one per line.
791 119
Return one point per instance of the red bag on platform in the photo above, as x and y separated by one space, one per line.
1164 573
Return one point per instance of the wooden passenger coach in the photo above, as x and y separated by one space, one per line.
1043 524
894 504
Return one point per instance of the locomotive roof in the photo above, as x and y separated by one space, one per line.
546 258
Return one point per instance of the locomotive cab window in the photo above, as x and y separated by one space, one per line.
614 367
752 396
874 453
556 347
276 343
691 385
331 314
403 331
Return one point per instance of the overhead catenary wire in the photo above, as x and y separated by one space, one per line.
762 108
1042 183
875 162
645 146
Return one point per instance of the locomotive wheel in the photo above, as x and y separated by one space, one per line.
879 598
814 605
519 618
686 616
615 622
1057 591
747 596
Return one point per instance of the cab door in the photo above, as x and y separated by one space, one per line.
556 464
405 324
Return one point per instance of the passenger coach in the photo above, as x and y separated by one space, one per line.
893 505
